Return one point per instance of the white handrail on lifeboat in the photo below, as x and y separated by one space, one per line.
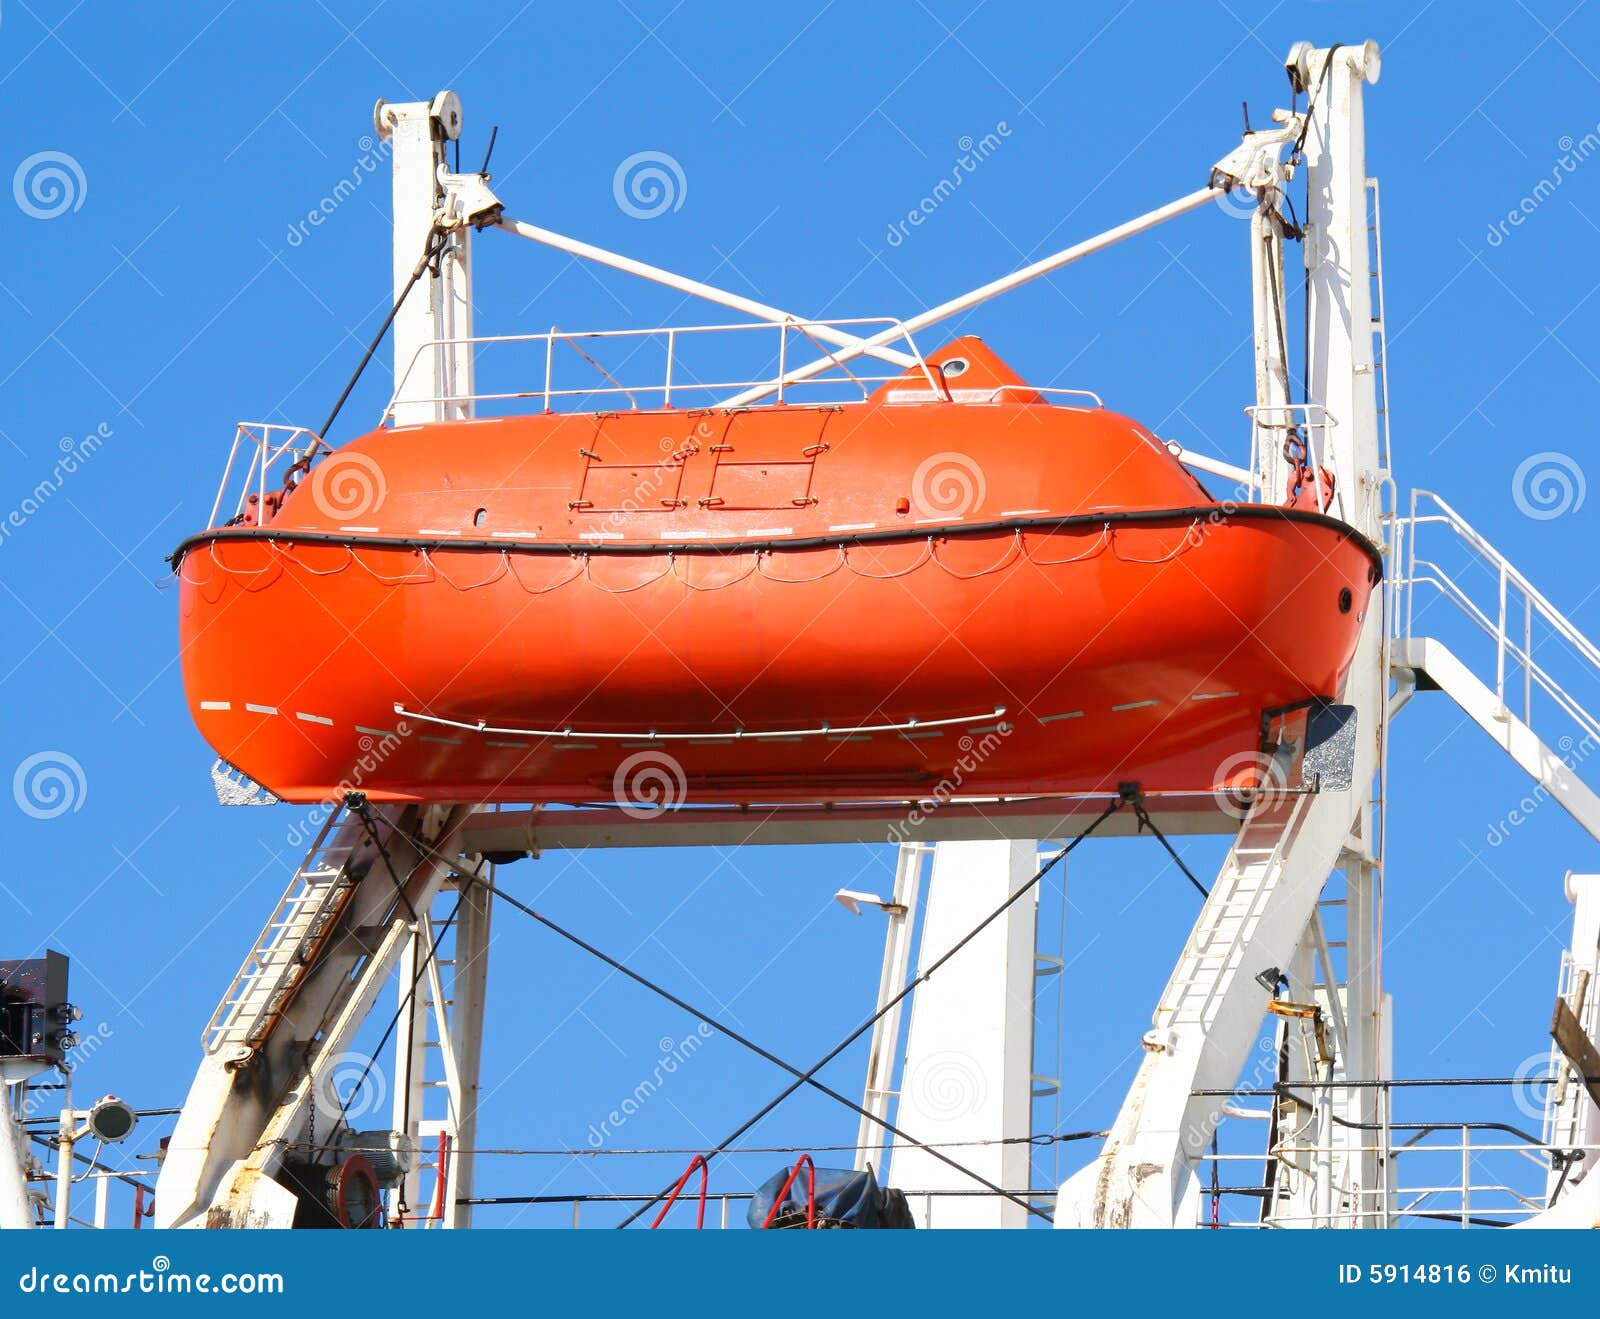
1216 467
725 735
266 453
992 394
669 384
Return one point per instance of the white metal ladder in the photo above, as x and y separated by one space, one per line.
1380 361
286 947
1243 887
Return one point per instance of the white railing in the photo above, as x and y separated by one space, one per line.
103 1179
1508 619
63 1177
1443 1180
1464 1173
720 1205
1085 398
272 456
676 383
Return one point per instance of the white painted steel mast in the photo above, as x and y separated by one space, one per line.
432 358
1262 906
442 987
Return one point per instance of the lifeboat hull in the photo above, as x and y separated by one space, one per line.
901 600
1055 661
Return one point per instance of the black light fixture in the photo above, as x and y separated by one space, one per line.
1271 978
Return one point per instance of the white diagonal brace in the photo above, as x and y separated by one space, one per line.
876 346
993 289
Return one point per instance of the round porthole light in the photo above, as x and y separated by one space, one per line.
954 366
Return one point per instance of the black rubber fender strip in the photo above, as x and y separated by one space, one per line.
889 535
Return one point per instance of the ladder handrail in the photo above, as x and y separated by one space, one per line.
1277 815
1468 533
1417 570
228 1024
1564 700
1380 320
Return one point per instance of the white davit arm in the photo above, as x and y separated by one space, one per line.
877 347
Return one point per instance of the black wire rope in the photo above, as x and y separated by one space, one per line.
737 1038
436 242
1145 822
911 986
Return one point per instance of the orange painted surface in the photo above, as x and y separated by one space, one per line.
897 563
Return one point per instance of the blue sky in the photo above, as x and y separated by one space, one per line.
171 290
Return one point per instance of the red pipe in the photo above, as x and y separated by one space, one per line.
442 1178
804 1161
699 1161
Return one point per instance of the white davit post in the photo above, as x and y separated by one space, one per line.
427 371
1341 376
434 375
1265 896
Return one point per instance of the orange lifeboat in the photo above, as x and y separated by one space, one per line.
967 590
